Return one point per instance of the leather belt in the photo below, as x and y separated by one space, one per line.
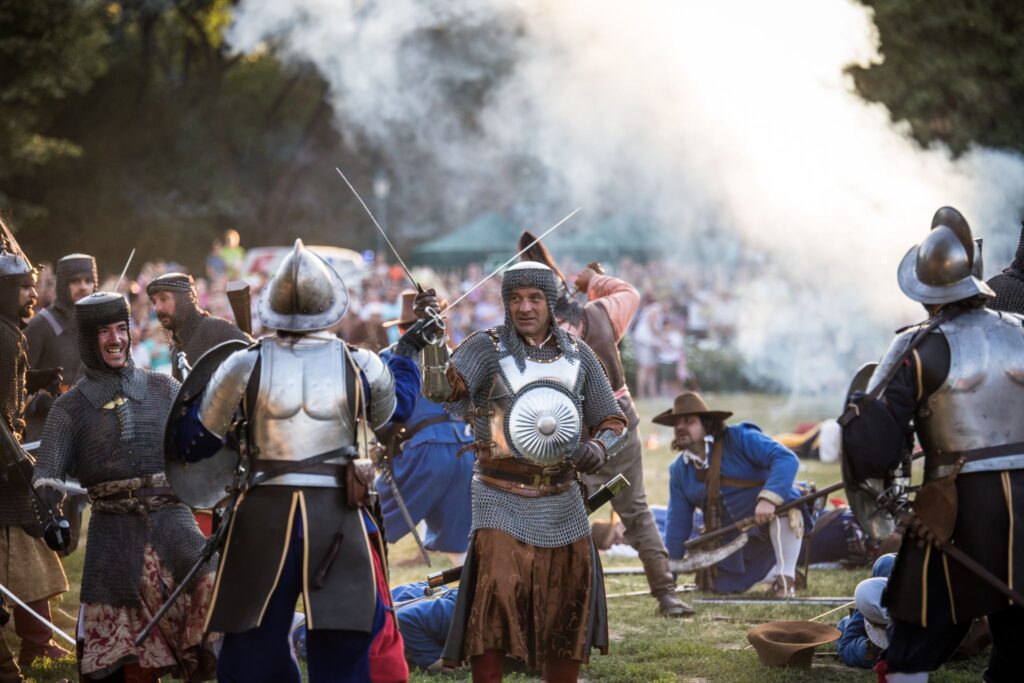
539 483
989 459
137 493
999 463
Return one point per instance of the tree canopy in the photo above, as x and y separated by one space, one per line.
953 70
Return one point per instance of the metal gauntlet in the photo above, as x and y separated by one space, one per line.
436 386
611 441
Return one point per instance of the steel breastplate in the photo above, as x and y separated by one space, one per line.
536 413
978 405
302 407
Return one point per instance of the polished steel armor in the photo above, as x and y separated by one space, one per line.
544 424
302 406
978 406
382 387
304 295
942 269
511 383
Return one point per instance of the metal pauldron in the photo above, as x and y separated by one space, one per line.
611 441
436 386
225 391
382 386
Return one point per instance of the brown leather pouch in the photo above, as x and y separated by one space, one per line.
359 490
935 505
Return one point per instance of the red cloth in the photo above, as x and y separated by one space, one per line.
387 653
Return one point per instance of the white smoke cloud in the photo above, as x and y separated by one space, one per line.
731 114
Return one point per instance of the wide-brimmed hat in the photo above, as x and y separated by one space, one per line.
687 403
790 643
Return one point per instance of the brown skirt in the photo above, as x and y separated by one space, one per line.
531 602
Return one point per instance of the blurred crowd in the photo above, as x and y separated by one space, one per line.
679 308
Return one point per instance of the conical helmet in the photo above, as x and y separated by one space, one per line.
305 294
947 265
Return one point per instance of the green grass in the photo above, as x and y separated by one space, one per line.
711 646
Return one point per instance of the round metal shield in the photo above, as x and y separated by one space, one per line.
863 495
544 424
205 483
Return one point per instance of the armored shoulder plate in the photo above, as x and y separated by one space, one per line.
224 392
896 348
382 386
978 405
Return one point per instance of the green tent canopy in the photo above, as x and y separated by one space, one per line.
492 238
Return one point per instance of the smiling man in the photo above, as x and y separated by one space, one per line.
108 429
542 411
192 330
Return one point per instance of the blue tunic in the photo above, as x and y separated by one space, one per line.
424 624
434 482
749 454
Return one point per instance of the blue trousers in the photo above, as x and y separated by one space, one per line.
264 654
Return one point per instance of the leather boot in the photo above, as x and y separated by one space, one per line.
663 587
36 637
783 587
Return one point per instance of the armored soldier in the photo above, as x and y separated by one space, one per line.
192 330
1009 285
428 467
107 430
955 381
542 411
304 526
601 323
30 569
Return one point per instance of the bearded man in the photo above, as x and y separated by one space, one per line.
955 381
731 472
108 430
27 566
192 330
602 322
542 411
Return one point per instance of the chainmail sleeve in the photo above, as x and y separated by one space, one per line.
13 362
476 361
57 448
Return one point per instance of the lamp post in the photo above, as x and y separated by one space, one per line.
381 189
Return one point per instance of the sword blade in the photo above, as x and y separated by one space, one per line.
381 230
389 477
695 560
125 271
514 257
6 591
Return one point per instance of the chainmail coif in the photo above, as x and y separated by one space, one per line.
109 427
1009 285
187 314
535 275
195 331
68 268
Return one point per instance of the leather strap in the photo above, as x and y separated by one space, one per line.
938 465
261 475
853 409
409 432
538 479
